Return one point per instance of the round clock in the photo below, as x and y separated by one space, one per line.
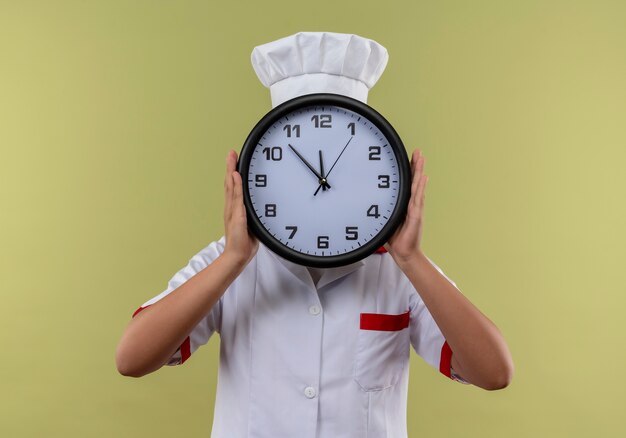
326 180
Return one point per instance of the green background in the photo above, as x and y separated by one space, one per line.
115 120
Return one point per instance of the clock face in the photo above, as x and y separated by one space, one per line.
323 180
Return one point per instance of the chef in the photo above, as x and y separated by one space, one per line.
315 352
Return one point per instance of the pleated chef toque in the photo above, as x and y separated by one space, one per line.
319 62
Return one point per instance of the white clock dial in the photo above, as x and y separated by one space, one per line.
361 180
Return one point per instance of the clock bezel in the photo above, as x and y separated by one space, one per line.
404 173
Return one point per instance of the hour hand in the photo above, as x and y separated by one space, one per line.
311 168
323 180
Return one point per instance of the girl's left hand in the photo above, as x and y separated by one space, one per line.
404 245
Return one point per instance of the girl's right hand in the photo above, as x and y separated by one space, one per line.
240 244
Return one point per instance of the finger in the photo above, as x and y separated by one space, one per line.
419 176
238 208
416 176
417 153
228 186
423 194
419 170
419 197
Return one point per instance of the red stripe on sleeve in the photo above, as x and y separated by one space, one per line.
446 360
185 350
383 322
140 309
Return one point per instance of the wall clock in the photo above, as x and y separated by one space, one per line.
326 180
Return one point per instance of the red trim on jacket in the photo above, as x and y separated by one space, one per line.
140 309
185 350
446 360
381 250
383 322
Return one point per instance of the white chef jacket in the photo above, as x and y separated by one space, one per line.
302 361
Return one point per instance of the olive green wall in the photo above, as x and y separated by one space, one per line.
115 119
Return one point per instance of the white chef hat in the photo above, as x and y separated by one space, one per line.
319 62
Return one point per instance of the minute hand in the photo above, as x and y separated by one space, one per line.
307 164
333 166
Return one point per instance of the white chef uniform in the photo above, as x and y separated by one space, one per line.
306 360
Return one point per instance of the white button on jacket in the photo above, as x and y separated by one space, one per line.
342 373
314 309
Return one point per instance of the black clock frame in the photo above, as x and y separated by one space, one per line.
404 173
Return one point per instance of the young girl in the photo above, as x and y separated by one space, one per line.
315 352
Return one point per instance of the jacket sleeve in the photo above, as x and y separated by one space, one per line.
426 337
211 323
